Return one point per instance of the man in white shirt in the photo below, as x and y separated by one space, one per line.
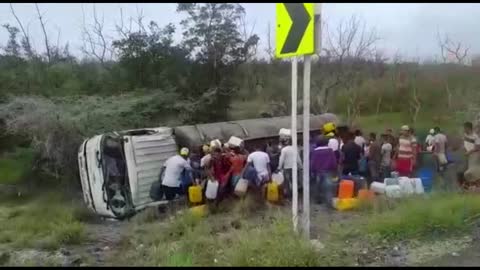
174 167
261 162
285 164
359 140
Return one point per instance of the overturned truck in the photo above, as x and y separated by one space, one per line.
117 168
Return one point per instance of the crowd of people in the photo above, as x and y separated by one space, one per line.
333 154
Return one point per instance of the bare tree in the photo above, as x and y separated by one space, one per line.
415 104
458 50
121 28
269 50
45 36
448 46
27 46
95 42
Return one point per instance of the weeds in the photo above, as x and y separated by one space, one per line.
46 222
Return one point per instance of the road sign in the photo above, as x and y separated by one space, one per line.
295 29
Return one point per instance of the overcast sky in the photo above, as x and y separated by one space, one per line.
407 28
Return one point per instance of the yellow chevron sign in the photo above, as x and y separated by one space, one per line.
295 29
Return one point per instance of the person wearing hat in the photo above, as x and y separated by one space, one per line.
174 168
430 140
334 143
406 152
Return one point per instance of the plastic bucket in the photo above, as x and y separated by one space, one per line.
427 178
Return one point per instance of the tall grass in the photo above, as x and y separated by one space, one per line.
47 222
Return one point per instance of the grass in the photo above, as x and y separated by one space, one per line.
246 236
47 222
236 238
438 215
426 218
15 166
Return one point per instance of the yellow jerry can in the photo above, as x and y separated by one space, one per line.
273 194
345 204
199 210
195 194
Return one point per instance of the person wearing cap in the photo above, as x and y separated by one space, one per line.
174 168
406 152
430 140
334 143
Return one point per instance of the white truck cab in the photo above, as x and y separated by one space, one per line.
117 169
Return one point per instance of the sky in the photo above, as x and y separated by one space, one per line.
406 28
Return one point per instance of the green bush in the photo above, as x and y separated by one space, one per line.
16 165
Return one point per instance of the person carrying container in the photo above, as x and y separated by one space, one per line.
174 167
237 161
260 162
323 166
220 170
285 164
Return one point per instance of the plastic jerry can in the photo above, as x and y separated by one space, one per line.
241 187
391 181
418 186
406 185
212 189
378 187
365 195
199 211
345 204
273 192
278 178
346 189
393 191
195 194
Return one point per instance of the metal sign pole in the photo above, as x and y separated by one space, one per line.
294 144
306 145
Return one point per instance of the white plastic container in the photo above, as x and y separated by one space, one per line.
391 181
285 132
215 143
278 178
235 141
393 191
406 185
241 187
378 187
212 190
418 186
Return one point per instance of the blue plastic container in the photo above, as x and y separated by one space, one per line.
426 175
